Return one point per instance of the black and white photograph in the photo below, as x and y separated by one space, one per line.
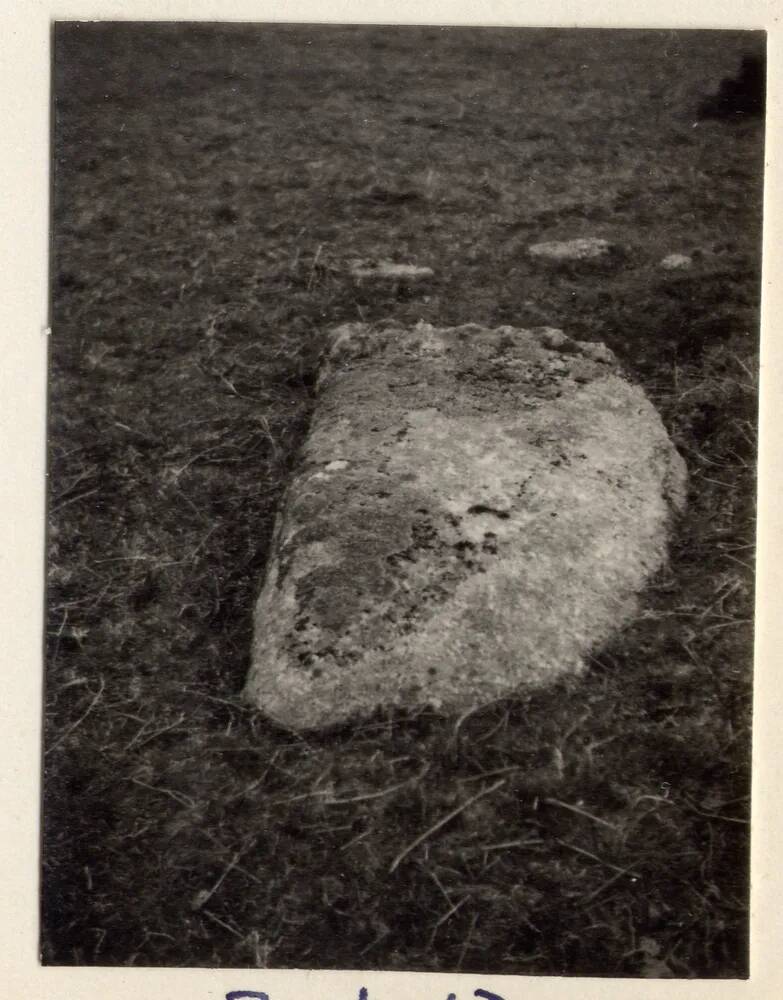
401 446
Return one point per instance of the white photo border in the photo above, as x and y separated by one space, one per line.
25 38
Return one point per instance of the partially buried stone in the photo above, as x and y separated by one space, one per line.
676 262
587 248
473 512
386 270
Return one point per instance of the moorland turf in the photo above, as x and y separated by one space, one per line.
211 183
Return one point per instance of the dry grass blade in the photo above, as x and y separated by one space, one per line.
508 844
594 857
491 774
580 812
71 729
442 822
183 800
382 792
466 943
222 923
605 885
204 896
442 920
713 815
65 503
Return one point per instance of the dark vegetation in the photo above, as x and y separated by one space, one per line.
211 183
740 95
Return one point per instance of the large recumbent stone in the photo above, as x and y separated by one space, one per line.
473 511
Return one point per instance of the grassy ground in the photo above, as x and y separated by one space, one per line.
210 185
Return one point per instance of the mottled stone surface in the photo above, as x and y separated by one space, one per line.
587 248
472 512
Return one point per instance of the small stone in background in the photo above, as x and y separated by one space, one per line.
676 262
386 270
587 248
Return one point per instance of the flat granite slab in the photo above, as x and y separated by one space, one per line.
473 511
